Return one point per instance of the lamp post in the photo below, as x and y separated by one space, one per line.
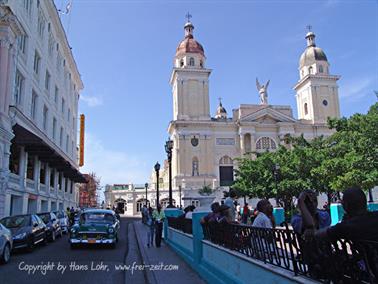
146 186
180 195
168 150
157 169
276 174
370 196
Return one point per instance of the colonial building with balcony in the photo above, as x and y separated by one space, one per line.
39 94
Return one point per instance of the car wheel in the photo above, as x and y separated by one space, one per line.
6 254
45 239
53 236
30 246
113 245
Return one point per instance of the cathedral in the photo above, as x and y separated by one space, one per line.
205 146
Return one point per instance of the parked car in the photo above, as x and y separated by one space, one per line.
63 220
6 243
95 226
27 230
52 224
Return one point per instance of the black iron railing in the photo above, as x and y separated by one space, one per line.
181 224
341 261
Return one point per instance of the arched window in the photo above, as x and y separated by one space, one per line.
226 171
181 63
165 202
310 70
195 167
305 109
191 61
265 143
320 69
201 63
140 203
225 160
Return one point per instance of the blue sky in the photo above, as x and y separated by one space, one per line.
124 51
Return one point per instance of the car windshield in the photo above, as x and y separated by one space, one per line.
96 217
45 217
16 221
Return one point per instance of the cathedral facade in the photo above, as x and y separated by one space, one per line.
205 146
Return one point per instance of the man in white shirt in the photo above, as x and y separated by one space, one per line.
229 201
265 209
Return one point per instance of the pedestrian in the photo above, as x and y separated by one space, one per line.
225 214
310 216
151 227
230 202
245 213
159 217
263 219
189 213
212 216
144 214
358 223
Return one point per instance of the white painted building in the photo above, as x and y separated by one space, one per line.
39 94
206 147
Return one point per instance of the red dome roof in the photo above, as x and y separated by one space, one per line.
189 45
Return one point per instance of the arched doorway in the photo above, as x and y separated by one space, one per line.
120 205
226 171
140 203
165 202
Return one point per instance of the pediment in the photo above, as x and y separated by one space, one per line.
267 115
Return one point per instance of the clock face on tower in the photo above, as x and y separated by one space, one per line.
194 141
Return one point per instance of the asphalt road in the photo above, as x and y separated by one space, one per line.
87 265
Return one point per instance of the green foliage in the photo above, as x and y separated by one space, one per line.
347 158
205 190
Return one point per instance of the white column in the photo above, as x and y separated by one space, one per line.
242 146
37 172
23 167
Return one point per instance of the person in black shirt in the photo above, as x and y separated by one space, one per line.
358 223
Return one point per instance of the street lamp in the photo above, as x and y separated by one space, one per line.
276 174
168 150
157 169
146 186
180 195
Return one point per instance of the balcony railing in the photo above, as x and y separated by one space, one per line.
181 224
341 261
30 184
13 178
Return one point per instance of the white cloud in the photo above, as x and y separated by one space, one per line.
110 165
357 89
92 101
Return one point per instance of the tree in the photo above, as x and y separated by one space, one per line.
354 151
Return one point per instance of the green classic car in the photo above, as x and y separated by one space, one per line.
95 226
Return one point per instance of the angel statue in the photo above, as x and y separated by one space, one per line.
263 92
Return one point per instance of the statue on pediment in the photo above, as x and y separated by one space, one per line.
263 92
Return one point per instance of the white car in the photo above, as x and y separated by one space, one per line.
63 220
6 243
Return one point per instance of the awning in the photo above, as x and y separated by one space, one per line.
34 145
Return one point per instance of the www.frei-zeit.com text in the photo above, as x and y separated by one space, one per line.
43 268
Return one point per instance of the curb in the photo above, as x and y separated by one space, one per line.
151 278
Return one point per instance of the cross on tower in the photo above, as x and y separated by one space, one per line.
188 17
309 27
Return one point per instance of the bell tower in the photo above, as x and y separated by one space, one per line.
190 79
317 90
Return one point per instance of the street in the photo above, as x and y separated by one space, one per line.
81 265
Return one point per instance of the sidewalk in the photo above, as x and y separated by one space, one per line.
166 256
